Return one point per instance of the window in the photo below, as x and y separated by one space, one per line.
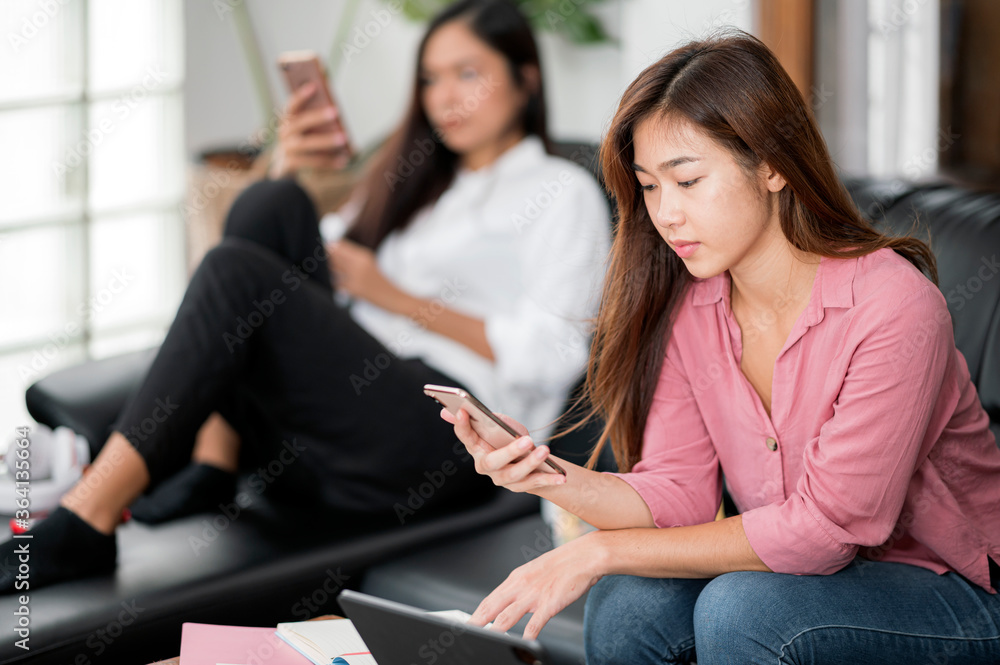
91 232
903 54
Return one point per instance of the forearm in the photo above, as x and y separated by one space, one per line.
600 499
703 550
437 317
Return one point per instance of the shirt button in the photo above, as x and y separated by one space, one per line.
772 445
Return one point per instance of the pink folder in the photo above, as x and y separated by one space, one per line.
206 644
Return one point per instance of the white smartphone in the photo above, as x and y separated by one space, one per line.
486 423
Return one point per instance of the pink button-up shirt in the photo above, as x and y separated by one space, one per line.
877 444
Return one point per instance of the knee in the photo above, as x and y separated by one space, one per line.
260 207
732 616
637 620
233 258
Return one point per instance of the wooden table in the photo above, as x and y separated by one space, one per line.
176 660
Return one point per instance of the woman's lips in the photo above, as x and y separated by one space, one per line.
685 250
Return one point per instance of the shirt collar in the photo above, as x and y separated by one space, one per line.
525 152
833 287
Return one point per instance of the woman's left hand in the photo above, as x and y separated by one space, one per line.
358 274
543 586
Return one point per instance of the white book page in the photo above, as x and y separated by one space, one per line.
332 638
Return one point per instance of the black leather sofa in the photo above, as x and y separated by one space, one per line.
260 568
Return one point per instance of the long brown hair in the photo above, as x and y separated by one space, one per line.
733 89
414 167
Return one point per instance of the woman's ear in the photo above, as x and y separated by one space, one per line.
774 181
532 79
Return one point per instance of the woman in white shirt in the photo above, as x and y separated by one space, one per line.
473 258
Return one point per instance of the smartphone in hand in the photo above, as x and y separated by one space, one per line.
302 67
486 423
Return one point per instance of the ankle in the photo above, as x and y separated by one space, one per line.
102 520
219 462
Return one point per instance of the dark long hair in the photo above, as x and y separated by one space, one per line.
734 90
414 168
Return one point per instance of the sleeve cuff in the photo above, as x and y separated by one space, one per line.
650 489
788 538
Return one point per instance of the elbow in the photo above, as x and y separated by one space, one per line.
832 562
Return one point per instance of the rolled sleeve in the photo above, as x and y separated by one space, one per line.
857 471
678 476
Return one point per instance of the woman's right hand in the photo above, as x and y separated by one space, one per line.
298 147
514 466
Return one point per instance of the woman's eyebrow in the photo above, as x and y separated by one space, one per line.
458 64
669 164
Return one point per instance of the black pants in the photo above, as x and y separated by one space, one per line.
328 417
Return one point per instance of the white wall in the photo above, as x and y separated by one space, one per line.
584 83
654 27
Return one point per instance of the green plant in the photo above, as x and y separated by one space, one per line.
570 18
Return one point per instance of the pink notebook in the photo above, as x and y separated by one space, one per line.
206 644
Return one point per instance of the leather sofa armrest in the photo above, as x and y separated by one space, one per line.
87 398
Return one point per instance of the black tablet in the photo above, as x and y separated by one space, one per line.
398 634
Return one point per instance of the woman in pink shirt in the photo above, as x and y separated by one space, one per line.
753 324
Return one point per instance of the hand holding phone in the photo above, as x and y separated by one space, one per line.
486 423
312 132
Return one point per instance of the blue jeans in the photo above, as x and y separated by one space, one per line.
869 612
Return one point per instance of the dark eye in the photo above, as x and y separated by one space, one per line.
688 183
647 188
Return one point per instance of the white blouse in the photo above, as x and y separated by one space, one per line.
520 244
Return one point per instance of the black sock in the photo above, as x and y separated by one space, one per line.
197 489
61 547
